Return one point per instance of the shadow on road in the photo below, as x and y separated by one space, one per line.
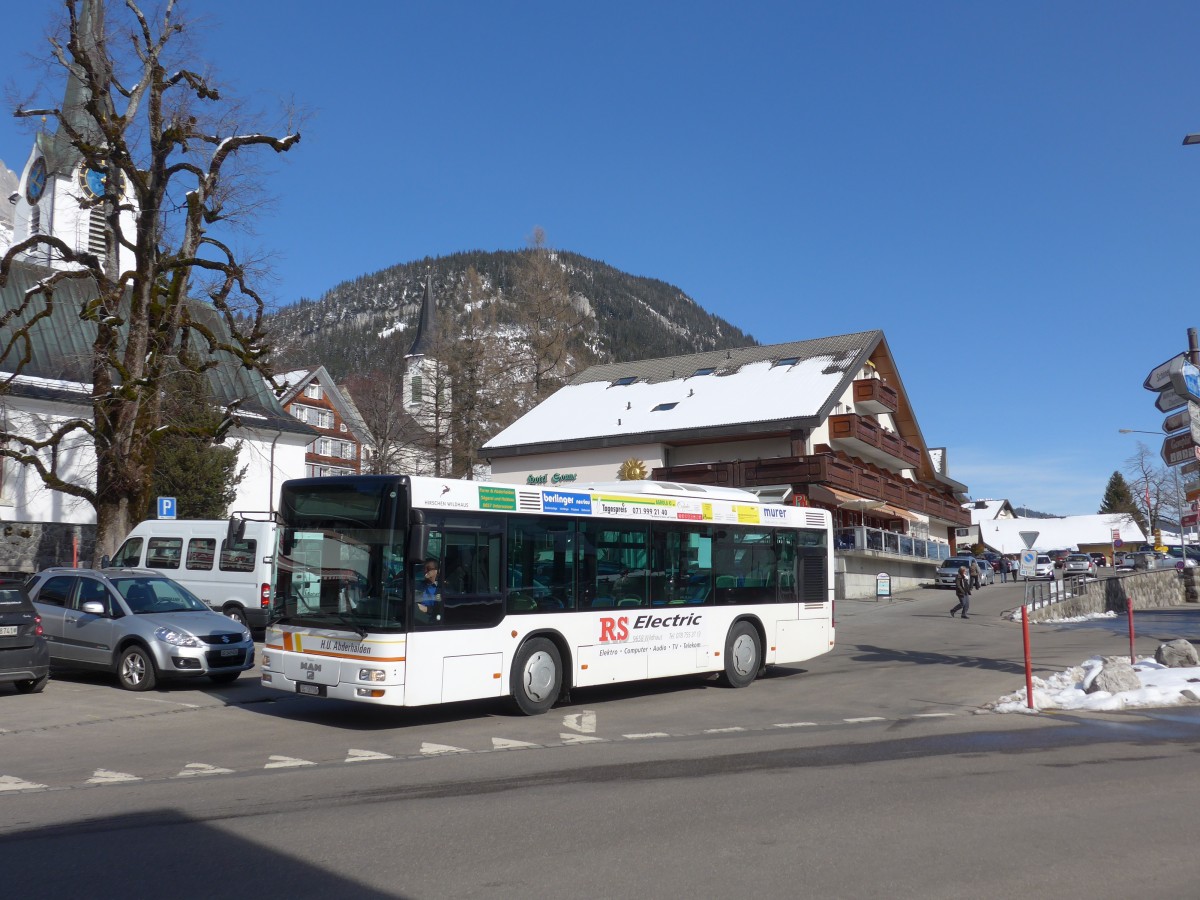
868 653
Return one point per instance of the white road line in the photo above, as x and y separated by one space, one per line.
864 719
286 762
438 749
794 724
12 783
364 755
108 776
932 715
644 735
584 722
193 769
722 730
508 744
578 739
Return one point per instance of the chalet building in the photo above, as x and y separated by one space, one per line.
981 512
822 422
312 397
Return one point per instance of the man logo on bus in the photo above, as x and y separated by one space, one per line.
614 629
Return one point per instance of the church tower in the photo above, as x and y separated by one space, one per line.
426 388
58 192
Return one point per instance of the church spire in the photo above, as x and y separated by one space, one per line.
426 324
73 115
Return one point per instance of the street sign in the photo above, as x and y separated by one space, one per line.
1168 400
166 507
1118 543
1116 534
1160 376
1188 418
1185 380
1189 519
1179 448
1028 537
1028 566
1191 468
1191 489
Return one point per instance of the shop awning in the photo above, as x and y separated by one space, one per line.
842 499
894 512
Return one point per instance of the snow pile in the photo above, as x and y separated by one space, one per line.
1161 686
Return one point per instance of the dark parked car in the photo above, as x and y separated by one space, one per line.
24 655
1099 559
1058 557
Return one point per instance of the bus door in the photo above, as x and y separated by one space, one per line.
453 649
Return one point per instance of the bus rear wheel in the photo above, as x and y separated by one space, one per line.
743 656
536 677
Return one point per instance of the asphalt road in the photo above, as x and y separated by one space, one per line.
871 772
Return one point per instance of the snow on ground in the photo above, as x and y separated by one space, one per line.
1161 686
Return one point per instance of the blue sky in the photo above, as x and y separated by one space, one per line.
1000 188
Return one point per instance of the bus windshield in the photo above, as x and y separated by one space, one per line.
341 555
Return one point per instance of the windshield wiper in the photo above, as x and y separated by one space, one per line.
350 623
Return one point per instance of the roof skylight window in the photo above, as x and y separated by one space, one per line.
787 361
664 406
700 372
621 382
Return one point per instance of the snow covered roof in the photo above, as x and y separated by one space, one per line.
1003 535
755 389
984 510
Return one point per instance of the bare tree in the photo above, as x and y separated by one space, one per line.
168 149
1148 482
553 322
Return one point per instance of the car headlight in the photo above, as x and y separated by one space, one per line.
245 635
176 638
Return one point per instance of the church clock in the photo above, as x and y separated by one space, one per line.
35 184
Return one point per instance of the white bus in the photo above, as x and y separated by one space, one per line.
538 590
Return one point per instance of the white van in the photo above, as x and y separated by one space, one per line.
235 581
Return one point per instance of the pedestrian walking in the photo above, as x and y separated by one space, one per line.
975 575
1002 564
962 589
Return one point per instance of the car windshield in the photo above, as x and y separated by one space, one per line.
156 595
1042 560
954 563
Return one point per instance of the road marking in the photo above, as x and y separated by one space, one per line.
578 739
12 783
436 749
584 722
364 755
865 719
932 715
506 744
194 769
794 724
286 762
108 776
644 735
722 730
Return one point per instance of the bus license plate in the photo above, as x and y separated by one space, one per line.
313 690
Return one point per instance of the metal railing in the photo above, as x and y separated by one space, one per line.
860 537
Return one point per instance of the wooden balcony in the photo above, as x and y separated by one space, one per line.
863 437
827 469
872 396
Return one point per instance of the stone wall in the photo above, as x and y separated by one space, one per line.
28 547
1147 590
855 572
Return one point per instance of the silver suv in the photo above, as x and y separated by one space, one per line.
138 624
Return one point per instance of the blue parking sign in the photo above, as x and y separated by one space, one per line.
166 507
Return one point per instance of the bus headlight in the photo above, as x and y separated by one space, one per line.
371 675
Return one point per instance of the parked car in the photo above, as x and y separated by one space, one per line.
1191 554
1059 557
1079 564
1139 560
24 654
1100 560
138 624
948 570
1043 567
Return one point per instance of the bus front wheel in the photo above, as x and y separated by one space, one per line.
743 655
536 677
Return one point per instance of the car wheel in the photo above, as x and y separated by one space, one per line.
536 678
743 656
32 685
136 670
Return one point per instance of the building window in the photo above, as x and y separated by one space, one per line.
312 391
96 229
35 221
416 389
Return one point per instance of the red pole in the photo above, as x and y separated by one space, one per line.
1028 661
1129 611
75 551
